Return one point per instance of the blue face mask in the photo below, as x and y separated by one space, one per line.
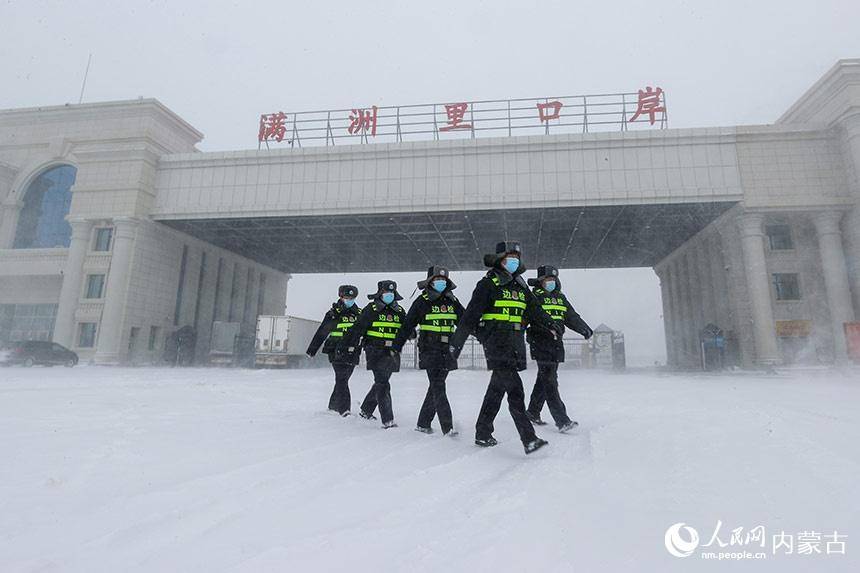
387 297
348 302
439 285
511 264
549 286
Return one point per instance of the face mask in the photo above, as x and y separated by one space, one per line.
549 286
511 264
348 302
439 285
387 297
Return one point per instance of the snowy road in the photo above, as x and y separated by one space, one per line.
108 469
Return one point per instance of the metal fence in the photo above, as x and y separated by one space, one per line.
464 120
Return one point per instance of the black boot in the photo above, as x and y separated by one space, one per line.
486 442
535 445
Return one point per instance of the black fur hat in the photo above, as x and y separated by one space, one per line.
347 291
437 271
383 287
543 272
503 248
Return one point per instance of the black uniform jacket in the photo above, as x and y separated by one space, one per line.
434 348
503 342
548 346
336 347
379 352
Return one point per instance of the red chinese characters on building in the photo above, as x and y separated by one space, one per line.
552 107
650 103
272 127
456 112
362 121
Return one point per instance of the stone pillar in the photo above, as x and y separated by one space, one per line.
835 277
758 285
8 222
674 314
70 291
667 313
110 335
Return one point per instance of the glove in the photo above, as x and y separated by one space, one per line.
586 332
310 354
455 352
557 329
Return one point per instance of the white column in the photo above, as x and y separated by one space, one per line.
677 313
758 285
110 333
70 291
8 221
835 277
667 313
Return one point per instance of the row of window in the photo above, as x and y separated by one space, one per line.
87 335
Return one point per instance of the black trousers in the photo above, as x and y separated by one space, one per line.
546 390
506 381
340 397
436 401
379 395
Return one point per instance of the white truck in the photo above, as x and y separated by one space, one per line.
282 340
222 347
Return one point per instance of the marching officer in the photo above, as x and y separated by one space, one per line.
500 303
435 312
377 327
547 347
331 336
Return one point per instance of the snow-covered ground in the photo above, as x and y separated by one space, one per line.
108 469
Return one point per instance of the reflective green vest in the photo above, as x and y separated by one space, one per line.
441 318
509 305
554 305
346 320
385 324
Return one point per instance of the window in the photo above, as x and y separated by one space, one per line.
27 321
153 337
95 286
787 286
103 239
42 223
87 335
779 237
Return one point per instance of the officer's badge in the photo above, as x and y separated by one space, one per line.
389 318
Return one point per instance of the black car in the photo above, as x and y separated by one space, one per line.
30 352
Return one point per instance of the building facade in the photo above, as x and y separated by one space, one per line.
116 231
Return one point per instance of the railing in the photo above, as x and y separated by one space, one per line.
26 262
467 120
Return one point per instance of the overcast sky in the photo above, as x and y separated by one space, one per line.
220 65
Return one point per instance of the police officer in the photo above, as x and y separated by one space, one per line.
547 348
435 312
331 335
378 326
500 303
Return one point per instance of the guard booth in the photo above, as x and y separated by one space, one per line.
712 343
607 349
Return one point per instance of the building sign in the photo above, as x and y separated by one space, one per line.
467 119
793 328
852 339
